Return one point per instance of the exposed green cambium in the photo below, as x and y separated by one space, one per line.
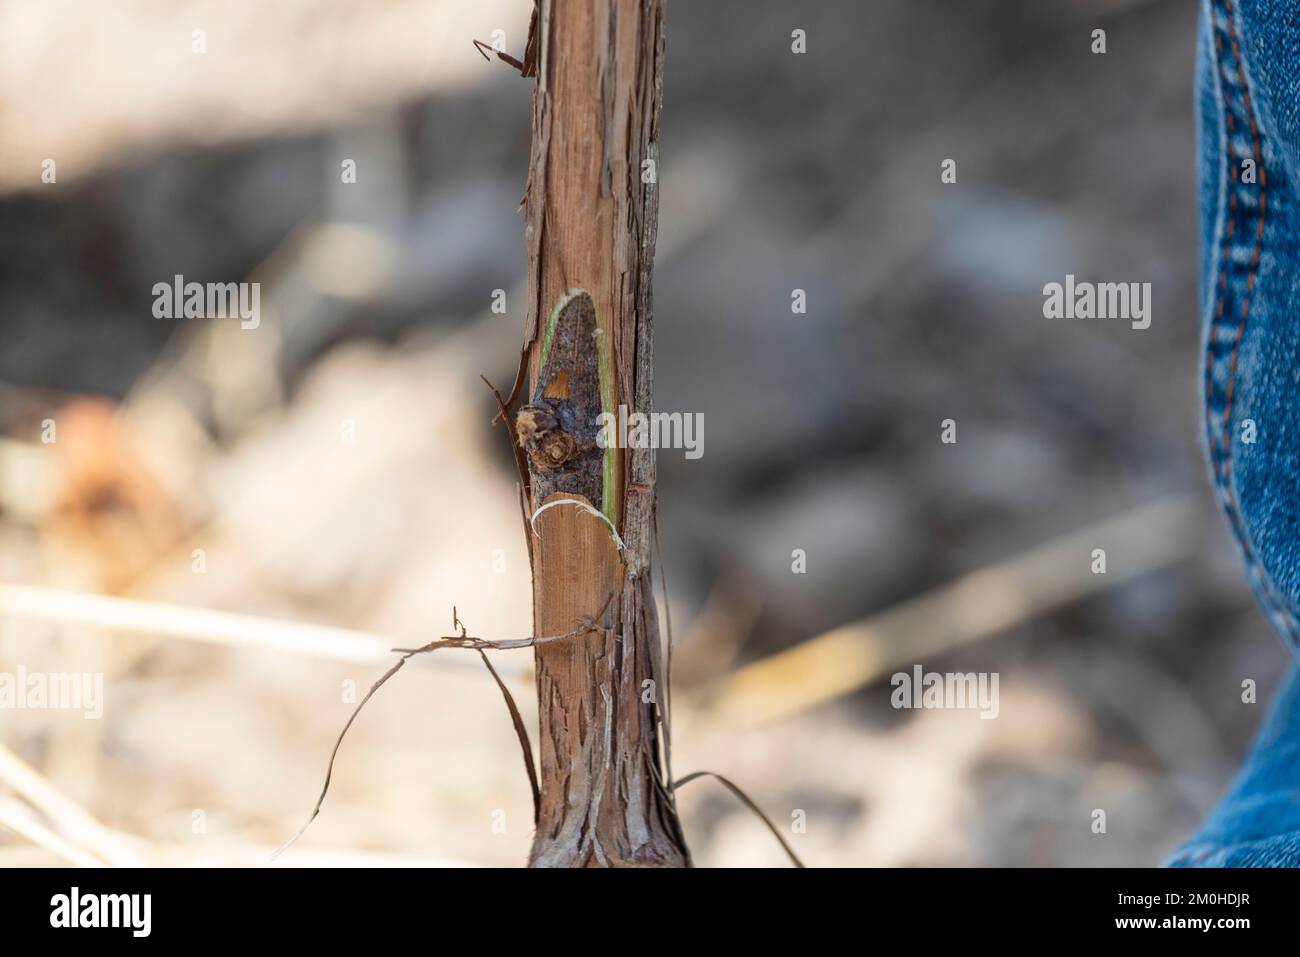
609 483
551 323
605 364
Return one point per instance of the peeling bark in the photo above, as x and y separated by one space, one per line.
590 233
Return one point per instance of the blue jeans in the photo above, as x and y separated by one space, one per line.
1248 92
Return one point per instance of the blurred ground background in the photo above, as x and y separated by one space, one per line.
778 172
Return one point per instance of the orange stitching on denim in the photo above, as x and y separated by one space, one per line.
1223 465
1230 389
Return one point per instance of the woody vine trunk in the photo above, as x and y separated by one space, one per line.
591 213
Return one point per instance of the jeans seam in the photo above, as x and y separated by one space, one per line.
1221 459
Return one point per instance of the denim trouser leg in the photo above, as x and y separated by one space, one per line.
1248 99
1257 824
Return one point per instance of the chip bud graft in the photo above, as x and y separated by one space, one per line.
547 444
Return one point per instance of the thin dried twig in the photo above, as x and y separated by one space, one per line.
527 67
503 415
749 803
486 48
585 625
522 733
18 817
666 719
112 613
976 605
521 376
68 818
504 644
516 718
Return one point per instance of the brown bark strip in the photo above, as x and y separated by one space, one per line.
521 732
590 226
583 627
749 802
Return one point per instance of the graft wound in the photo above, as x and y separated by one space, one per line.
558 428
